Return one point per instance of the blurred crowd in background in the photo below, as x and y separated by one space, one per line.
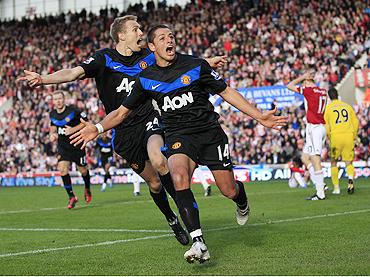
267 43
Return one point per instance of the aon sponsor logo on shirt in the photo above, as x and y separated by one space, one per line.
177 102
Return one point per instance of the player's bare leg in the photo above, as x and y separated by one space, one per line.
159 162
159 196
182 168
107 176
335 177
63 167
86 177
235 191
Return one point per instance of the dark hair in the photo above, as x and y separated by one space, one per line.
333 93
151 33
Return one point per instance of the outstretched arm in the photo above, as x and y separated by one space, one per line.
62 76
91 131
293 84
217 61
267 119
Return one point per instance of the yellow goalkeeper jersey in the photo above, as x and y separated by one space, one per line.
340 118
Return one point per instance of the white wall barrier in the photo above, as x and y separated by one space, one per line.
244 173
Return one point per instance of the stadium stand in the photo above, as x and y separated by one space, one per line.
279 44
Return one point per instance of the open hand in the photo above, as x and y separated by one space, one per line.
33 79
270 120
86 134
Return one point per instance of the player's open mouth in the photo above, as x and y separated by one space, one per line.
140 40
170 50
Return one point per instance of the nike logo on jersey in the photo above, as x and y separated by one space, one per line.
118 66
203 250
226 164
154 87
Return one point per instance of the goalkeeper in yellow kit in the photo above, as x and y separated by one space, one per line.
341 128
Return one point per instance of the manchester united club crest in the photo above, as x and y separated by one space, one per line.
185 79
143 64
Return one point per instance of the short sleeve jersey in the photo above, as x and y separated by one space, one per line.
115 75
315 103
341 118
69 117
181 91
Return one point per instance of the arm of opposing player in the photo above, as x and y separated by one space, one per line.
267 119
293 84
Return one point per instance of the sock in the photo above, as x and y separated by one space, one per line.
350 171
87 180
167 183
136 187
312 173
334 176
106 176
67 182
161 200
197 235
189 212
241 198
319 181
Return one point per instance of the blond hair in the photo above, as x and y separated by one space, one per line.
118 26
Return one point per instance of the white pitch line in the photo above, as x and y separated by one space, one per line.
83 230
167 235
124 203
81 246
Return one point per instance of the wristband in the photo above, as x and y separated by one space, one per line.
100 128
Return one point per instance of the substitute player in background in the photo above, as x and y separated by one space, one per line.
341 128
315 102
62 118
104 144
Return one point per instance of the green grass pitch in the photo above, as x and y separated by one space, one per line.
118 234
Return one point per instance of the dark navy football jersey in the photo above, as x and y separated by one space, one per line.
105 146
181 91
115 75
70 116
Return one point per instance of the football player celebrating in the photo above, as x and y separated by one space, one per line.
181 85
62 118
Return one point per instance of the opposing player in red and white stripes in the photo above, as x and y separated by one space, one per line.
315 103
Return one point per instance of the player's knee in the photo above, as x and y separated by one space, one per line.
160 164
181 180
83 170
229 191
154 184
63 170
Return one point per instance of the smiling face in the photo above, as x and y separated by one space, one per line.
163 45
